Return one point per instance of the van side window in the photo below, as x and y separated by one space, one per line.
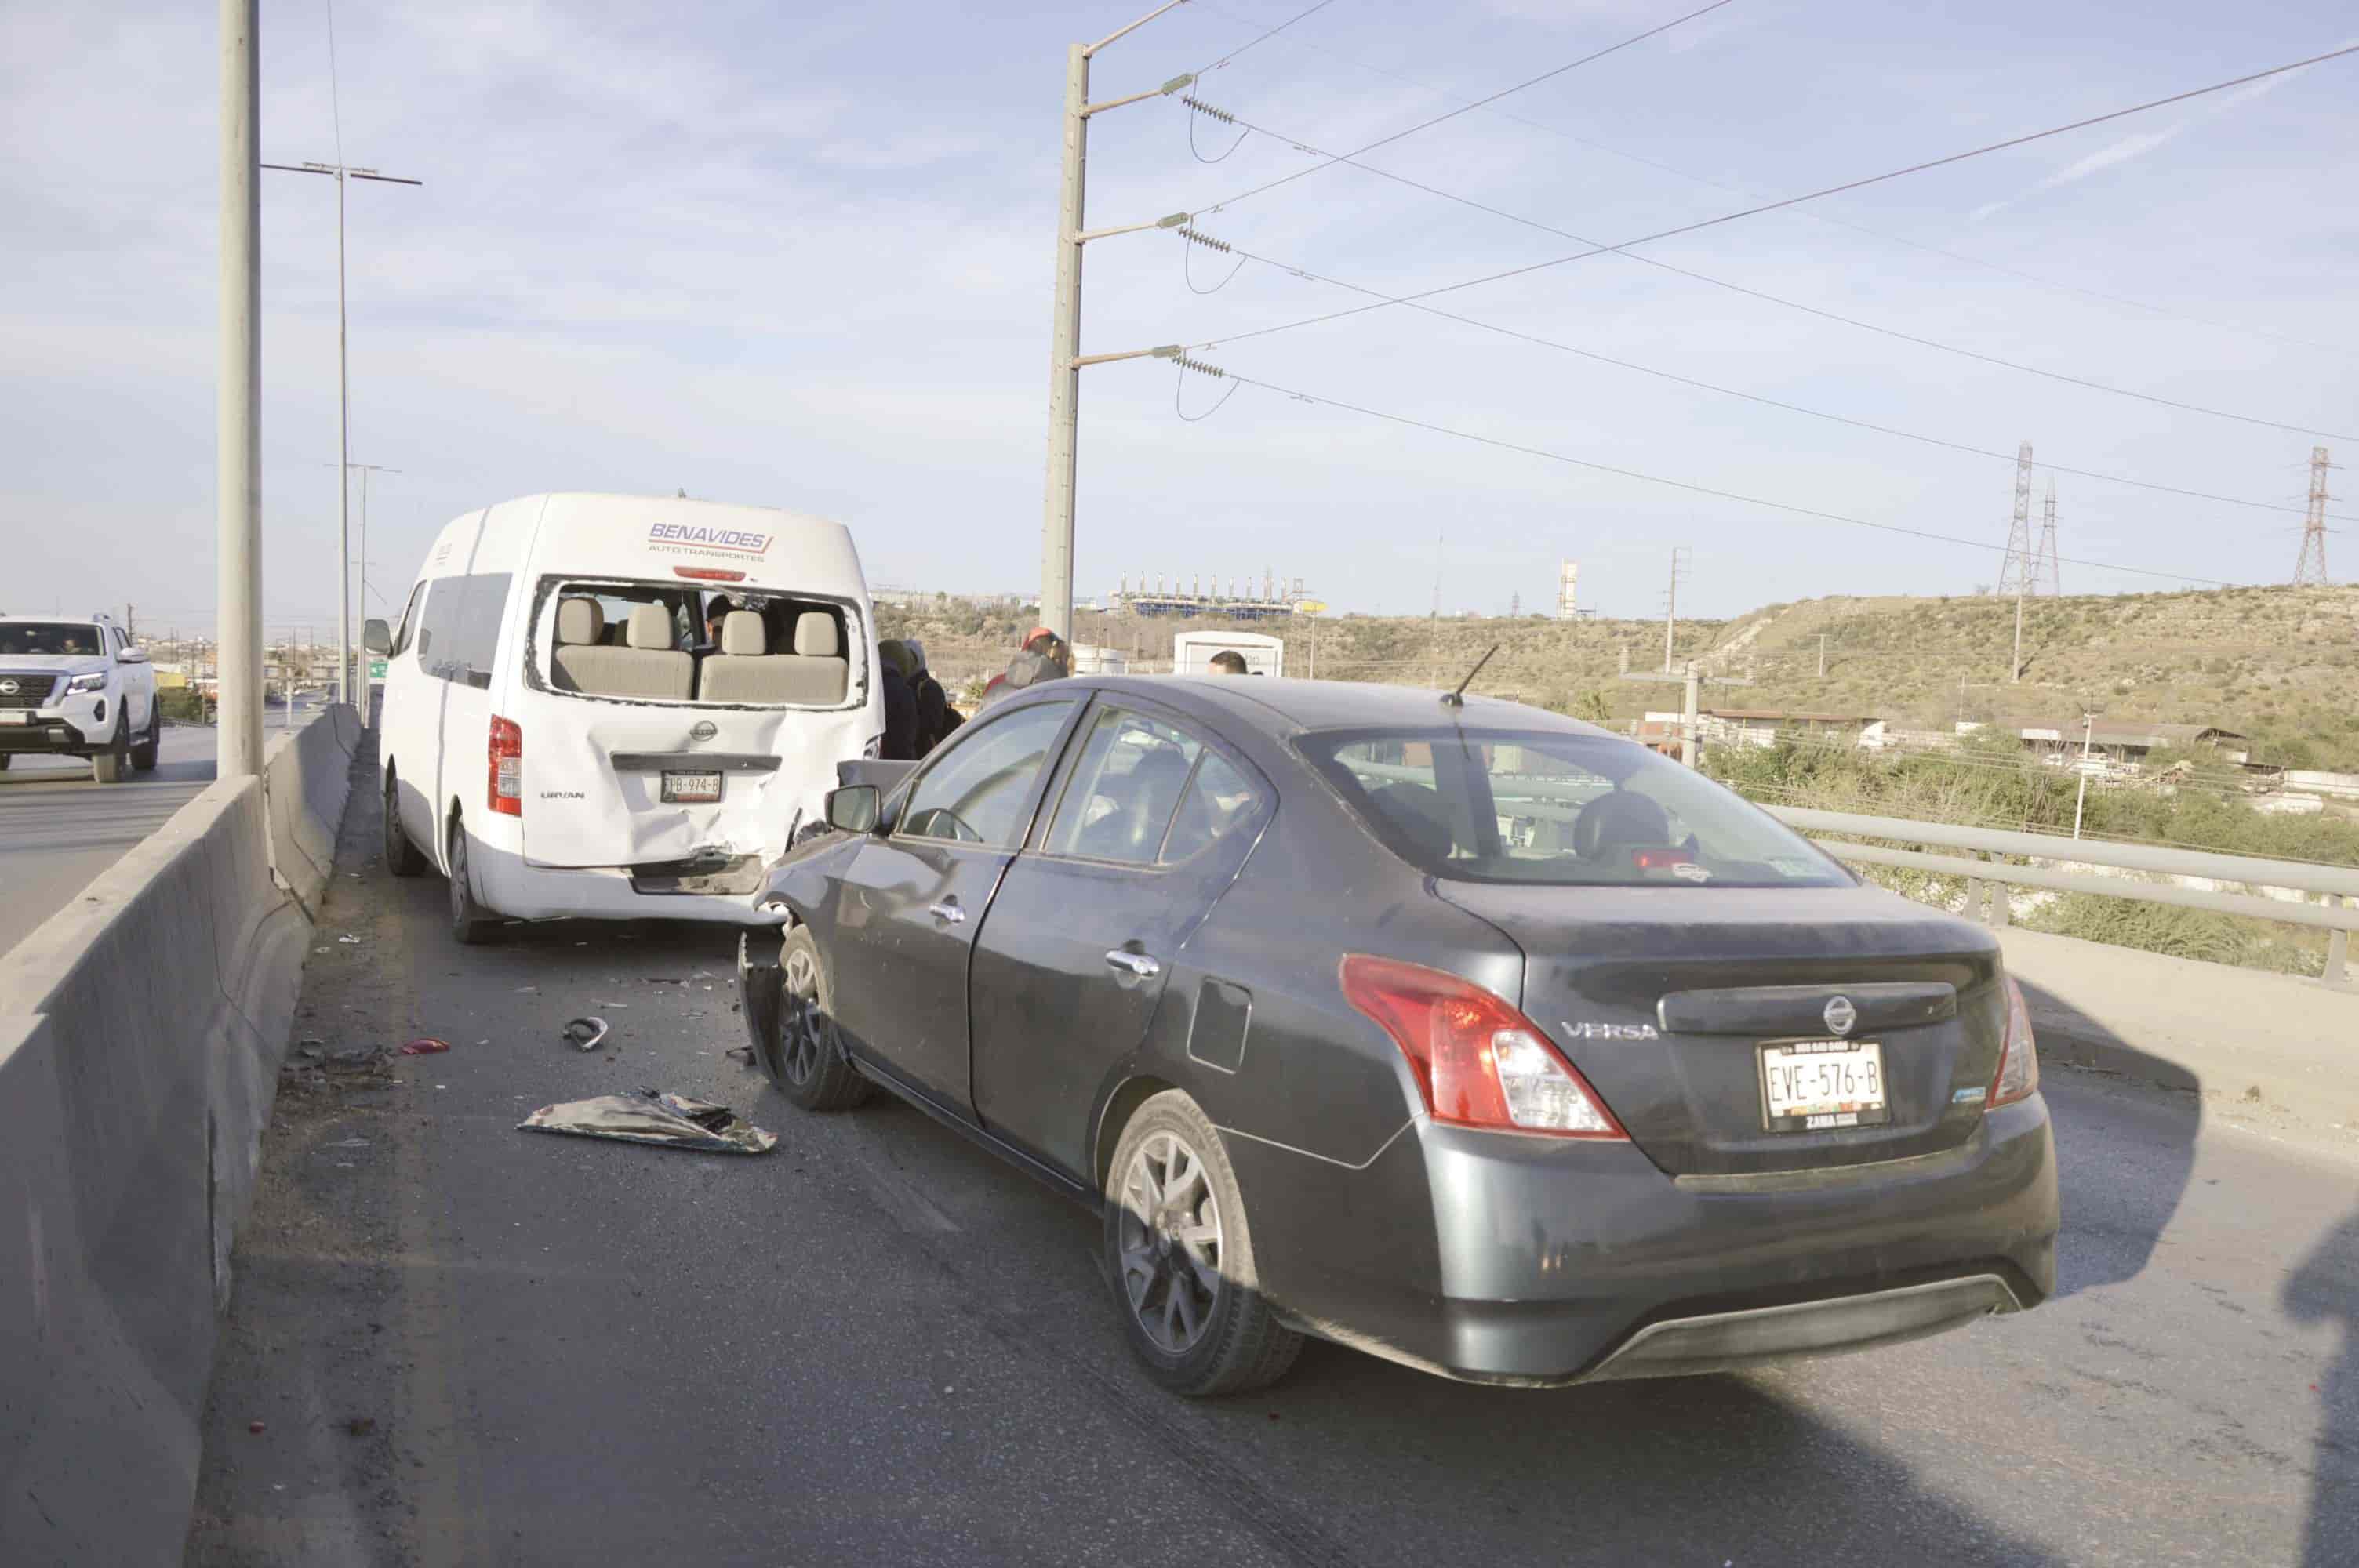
409 626
461 627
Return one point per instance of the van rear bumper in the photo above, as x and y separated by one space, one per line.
522 890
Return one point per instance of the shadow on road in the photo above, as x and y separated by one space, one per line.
2325 1288
2113 1216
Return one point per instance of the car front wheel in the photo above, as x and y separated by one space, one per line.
1179 1257
143 755
109 766
401 856
804 1056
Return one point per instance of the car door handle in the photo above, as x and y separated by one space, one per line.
1138 963
948 910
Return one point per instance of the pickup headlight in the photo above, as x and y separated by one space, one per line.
94 681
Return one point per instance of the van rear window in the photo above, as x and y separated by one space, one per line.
653 641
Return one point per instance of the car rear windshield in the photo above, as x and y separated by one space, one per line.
33 639
1558 809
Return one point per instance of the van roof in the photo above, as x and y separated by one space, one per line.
649 535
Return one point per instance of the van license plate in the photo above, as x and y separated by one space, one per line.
14 715
691 788
1818 1085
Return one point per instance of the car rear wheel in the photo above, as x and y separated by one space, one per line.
108 766
1179 1257
143 755
471 922
804 1056
401 857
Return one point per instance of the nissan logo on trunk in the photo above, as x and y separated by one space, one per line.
1841 1015
703 729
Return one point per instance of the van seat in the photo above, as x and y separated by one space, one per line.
646 666
815 675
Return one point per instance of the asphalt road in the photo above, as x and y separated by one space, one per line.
470 1345
60 827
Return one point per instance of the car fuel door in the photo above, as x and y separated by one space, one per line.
1152 824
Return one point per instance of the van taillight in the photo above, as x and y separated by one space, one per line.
507 767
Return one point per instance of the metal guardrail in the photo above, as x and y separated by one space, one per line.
2337 885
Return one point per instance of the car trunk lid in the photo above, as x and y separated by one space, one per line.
1663 997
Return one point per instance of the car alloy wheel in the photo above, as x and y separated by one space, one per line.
806 1034
1169 1240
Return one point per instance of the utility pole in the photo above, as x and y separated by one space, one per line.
2309 567
2015 575
1065 357
237 428
2088 729
1691 720
1681 557
340 172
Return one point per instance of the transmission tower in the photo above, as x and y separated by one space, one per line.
2015 578
2045 577
2309 569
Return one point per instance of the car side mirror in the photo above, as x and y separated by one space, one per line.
854 809
376 636
131 655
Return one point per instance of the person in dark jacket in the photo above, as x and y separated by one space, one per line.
900 744
1044 656
936 716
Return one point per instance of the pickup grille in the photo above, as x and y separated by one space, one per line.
33 689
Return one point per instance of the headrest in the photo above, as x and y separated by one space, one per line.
742 635
1619 819
579 621
815 635
650 627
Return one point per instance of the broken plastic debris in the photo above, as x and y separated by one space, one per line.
585 1033
669 1121
349 940
428 1046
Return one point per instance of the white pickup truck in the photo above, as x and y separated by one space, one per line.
77 687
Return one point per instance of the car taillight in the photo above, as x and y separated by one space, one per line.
2019 1058
1479 1063
507 767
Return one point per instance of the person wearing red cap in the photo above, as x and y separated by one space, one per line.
1044 656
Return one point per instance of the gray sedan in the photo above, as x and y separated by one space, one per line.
1479 1039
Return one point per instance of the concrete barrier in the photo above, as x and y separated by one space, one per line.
141 1032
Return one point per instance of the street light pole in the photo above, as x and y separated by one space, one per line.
237 444
339 173
1065 359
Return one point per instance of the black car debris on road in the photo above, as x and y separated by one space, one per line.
1460 1033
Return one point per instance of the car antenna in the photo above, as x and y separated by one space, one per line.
1458 698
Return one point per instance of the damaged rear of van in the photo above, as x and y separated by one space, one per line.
620 707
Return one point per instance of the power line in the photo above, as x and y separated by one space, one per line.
1826 218
1539 342
1626 245
1687 485
1241 48
1548 75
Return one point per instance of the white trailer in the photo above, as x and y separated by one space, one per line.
1193 652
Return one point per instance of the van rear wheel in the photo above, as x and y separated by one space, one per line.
401 856
471 922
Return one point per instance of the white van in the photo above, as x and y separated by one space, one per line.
620 706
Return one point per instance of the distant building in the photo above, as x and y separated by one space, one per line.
2124 741
1765 727
1567 595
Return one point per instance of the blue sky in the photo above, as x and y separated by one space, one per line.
801 255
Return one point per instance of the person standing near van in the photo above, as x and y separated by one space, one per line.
936 718
894 665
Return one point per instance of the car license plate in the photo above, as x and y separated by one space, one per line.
14 715
691 788
1818 1086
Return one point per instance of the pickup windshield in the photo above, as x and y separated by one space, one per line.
1551 808
35 639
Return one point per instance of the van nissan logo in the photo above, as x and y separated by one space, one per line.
703 729
8 689
1841 1015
